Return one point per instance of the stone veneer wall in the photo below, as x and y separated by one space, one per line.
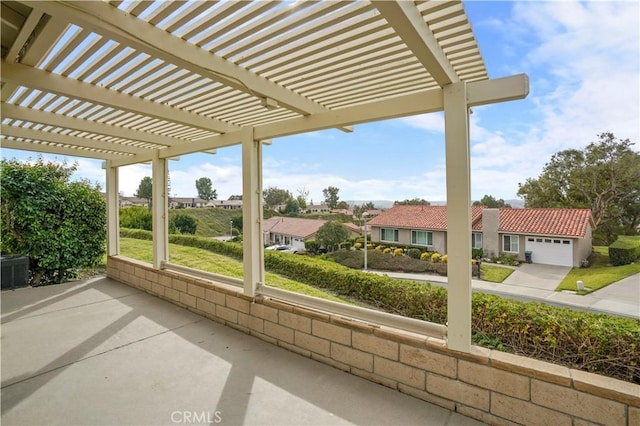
491 386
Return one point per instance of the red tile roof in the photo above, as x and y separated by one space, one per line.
561 222
422 217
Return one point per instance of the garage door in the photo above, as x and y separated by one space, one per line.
550 251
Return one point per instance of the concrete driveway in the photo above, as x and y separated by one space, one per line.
532 275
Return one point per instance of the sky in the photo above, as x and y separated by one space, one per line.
583 62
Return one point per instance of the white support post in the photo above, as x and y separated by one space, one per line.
113 210
253 250
159 208
456 116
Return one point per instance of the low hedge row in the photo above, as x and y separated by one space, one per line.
597 343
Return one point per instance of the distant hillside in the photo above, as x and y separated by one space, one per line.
212 222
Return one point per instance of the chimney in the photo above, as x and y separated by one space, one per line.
490 237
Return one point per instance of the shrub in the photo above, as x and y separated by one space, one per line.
444 258
357 246
387 250
136 217
425 256
60 225
624 250
414 253
398 252
592 342
185 224
435 257
477 253
311 246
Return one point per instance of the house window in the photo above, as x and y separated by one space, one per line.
476 240
422 238
510 243
388 234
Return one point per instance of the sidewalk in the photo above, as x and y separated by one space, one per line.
621 298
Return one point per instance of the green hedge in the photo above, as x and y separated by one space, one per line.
598 343
625 250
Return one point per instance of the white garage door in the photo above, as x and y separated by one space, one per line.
550 251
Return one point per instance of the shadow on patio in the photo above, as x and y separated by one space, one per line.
100 352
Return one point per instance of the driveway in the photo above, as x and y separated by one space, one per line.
532 275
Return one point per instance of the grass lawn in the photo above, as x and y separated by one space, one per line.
494 274
599 274
211 262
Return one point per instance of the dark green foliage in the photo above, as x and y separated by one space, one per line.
311 246
624 250
145 189
205 189
185 224
58 224
477 253
331 234
597 343
414 253
136 217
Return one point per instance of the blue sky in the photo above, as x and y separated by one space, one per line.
583 61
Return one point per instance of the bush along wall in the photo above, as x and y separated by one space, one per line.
591 342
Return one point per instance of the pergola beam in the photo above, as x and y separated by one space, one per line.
69 140
60 150
479 93
118 25
409 24
37 116
48 82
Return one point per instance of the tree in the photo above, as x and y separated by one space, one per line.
59 224
331 234
303 194
205 189
412 202
342 205
274 197
292 208
235 197
145 190
491 202
604 177
331 196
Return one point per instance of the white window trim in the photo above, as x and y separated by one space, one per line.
395 232
428 233
481 240
511 236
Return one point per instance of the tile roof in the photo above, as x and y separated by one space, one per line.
565 222
561 222
423 217
293 226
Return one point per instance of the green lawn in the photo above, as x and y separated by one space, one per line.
211 262
599 274
494 274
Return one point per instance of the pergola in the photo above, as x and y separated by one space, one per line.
146 81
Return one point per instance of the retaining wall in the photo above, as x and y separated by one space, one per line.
491 386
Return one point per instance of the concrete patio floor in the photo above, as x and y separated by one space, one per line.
100 352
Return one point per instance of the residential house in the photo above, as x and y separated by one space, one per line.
295 231
318 208
553 236
226 204
133 201
188 202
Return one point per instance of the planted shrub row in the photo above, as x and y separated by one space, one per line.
597 343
